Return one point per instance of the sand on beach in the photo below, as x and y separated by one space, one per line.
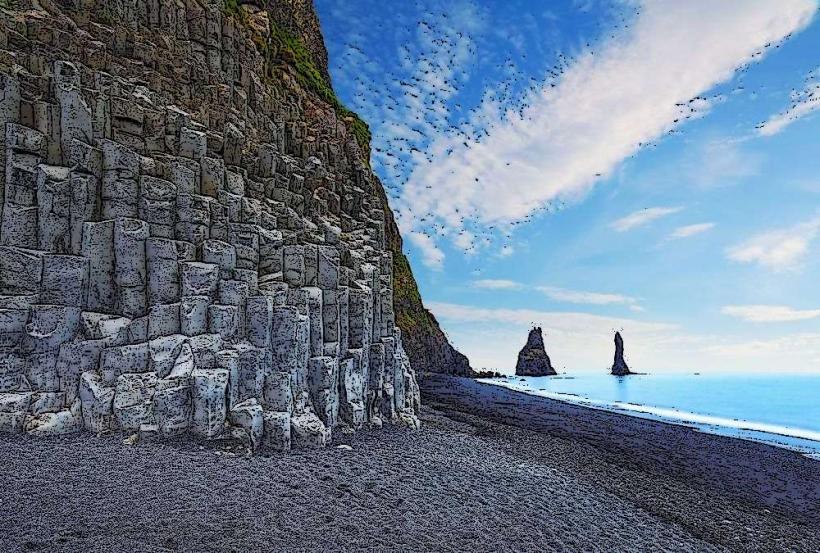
492 470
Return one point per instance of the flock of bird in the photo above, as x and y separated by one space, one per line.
425 77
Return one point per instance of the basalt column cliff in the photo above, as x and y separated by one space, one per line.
191 239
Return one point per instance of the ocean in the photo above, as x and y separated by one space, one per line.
782 410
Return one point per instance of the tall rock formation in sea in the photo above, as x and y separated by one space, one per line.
533 359
191 238
619 367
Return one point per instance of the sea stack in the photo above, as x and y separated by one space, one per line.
533 359
619 367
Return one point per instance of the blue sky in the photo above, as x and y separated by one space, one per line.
590 166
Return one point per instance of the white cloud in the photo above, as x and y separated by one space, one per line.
769 313
561 294
630 91
804 102
589 298
720 162
798 352
690 230
496 284
431 255
777 249
642 217
506 250
553 322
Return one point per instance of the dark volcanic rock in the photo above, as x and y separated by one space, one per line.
619 367
533 359
428 348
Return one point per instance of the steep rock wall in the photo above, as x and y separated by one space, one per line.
427 346
191 241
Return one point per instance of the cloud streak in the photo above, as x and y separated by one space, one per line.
585 298
769 313
642 217
496 284
779 249
804 103
690 230
563 295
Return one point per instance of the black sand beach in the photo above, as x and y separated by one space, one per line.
492 470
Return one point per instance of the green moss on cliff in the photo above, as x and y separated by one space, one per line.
283 47
293 51
410 313
424 340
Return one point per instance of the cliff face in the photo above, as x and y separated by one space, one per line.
298 17
191 240
425 342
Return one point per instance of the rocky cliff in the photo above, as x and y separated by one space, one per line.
191 240
426 345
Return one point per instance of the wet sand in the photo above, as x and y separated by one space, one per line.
492 470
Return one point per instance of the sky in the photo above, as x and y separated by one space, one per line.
590 166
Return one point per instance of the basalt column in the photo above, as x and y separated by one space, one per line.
191 241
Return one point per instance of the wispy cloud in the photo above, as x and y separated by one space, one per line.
642 217
779 249
690 230
564 295
559 322
804 102
769 313
431 254
496 284
585 298
720 162
627 92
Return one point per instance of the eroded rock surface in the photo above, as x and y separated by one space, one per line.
191 241
619 366
533 359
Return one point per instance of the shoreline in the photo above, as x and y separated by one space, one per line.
804 441
490 470
745 469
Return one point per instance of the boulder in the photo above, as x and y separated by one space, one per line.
13 409
248 416
97 403
209 399
307 430
65 421
172 406
133 400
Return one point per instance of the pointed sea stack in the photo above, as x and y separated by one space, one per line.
533 359
619 367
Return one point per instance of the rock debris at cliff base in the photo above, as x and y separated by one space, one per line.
190 242
397 491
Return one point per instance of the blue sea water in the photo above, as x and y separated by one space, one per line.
782 410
